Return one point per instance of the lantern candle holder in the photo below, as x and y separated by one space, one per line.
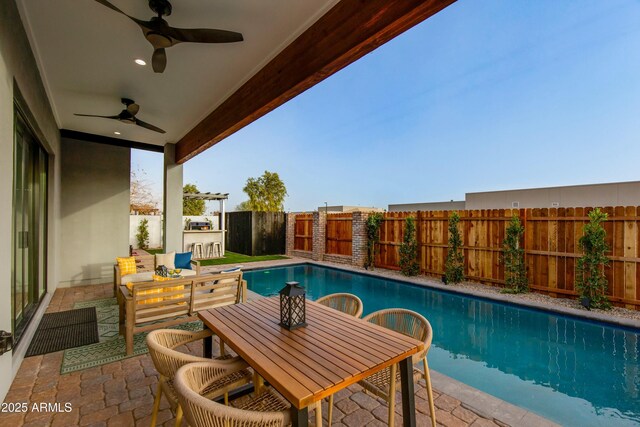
292 306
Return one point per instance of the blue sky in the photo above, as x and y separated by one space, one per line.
486 95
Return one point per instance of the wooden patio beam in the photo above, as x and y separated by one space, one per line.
350 30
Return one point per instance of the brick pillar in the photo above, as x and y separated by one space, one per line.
291 233
359 238
319 235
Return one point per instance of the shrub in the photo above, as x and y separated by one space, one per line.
373 236
143 234
454 265
590 279
515 272
409 249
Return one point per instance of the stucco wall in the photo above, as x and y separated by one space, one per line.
610 194
94 211
427 206
19 73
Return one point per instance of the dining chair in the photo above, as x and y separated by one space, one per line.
264 408
346 303
167 360
384 383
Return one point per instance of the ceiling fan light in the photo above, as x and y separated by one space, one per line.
117 133
140 61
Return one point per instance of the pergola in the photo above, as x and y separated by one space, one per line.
220 197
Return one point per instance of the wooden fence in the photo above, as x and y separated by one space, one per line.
303 237
550 243
256 233
339 234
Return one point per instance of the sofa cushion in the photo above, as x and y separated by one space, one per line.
127 265
168 260
145 276
183 260
187 272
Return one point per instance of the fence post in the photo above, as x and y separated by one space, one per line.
319 235
358 238
290 233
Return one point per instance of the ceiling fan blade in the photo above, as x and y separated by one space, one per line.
148 126
133 109
159 60
141 23
202 35
94 115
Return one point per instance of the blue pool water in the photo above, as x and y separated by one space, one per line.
574 372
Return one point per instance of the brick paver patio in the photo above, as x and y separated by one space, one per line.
121 393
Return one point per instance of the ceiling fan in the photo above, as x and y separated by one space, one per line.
162 36
128 116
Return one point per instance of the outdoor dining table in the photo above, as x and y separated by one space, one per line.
305 365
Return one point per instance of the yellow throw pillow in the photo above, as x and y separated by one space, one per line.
151 291
127 265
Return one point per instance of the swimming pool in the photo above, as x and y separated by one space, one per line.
571 371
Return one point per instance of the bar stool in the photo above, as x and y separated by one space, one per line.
217 249
196 250
209 249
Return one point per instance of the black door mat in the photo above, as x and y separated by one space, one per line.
65 329
70 317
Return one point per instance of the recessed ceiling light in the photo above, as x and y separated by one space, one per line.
117 133
140 62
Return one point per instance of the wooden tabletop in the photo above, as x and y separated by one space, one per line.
307 364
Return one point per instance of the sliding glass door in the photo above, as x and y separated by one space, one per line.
29 225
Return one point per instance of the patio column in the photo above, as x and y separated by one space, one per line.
223 226
172 224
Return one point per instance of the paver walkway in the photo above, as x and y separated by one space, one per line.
121 393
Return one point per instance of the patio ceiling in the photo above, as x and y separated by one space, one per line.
86 55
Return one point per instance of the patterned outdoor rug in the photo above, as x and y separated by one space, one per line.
111 347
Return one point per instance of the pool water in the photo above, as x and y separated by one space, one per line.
571 371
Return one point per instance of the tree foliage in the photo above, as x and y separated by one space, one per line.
143 234
409 249
515 271
266 193
243 206
192 207
591 281
373 236
454 265
141 198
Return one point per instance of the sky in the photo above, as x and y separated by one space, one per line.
485 95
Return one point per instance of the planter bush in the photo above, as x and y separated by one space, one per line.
454 265
515 272
409 249
591 281
373 236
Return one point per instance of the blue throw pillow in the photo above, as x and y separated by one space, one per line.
183 260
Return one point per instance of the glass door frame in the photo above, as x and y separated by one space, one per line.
29 233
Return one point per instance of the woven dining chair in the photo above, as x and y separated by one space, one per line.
416 326
346 303
162 344
264 408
